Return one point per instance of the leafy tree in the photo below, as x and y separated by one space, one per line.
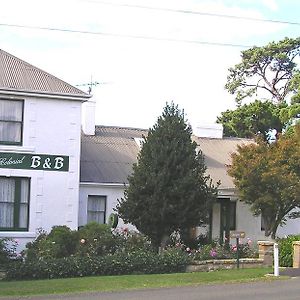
268 178
250 120
168 189
270 68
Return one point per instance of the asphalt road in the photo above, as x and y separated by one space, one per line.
288 289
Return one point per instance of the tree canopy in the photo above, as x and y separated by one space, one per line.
270 68
251 120
168 189
268 178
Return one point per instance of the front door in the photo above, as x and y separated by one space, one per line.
227 219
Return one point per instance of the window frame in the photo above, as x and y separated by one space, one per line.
20 143
104 211
17 205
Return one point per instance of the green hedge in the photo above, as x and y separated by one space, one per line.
139 262
286 250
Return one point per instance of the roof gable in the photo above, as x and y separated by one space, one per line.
17 75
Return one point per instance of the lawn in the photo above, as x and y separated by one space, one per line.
115 283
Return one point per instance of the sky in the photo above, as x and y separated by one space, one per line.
144 53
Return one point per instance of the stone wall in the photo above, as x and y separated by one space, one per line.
218 264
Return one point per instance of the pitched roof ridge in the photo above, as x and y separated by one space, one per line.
76 91
121 127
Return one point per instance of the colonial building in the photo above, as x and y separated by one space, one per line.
58 168
40 127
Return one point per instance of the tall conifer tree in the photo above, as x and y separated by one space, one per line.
168 189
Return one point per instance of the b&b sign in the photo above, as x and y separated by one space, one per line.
34 161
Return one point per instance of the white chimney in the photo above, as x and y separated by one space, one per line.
88 116
214 131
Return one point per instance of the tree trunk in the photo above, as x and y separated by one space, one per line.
163 243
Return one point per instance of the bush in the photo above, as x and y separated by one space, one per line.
145 262
60 242
7 252
217 251
286 250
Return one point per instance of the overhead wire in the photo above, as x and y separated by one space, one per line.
211 43
126 35
194 12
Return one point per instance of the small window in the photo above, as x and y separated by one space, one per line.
14 203
96 209
11 122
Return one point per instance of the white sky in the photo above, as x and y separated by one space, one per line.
141 75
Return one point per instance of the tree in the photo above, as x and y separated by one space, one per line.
268 178
168 189
250 120
270 68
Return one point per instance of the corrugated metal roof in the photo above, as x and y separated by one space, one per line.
107 157
20 76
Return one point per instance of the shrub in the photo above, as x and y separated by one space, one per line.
146 262
217 251
60 242
97 240
7 252
286 250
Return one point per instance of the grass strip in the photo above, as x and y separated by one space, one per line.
116 283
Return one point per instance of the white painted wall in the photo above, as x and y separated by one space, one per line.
113 192
50 127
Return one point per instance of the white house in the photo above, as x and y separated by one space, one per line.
54 173
40 121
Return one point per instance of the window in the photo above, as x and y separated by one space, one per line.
11 122
96 208
14 203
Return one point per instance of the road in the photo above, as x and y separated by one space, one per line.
288 289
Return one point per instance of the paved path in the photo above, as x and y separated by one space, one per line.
288 289
293 272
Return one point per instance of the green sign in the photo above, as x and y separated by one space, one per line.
34 161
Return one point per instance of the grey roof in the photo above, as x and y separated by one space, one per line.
19 76
107 157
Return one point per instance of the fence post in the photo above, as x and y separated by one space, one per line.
265 251
276 260
296 254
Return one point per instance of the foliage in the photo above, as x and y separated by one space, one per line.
97 239
7 252
168 189
268 178
145 262
286 250
270 68
225 251
256 118
60 242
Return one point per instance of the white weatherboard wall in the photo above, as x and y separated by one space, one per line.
113 192
51 126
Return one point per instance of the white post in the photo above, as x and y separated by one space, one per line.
276 260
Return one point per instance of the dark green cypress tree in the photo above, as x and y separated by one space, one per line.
168 189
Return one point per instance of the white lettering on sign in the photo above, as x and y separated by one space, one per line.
47 164
59 163
6 162
35 161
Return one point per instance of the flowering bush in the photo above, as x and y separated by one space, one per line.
217 251
7 251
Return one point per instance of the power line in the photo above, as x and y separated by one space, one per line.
126 35
185 11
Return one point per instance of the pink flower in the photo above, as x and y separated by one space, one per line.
82 241
213 253
188 249
234 248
